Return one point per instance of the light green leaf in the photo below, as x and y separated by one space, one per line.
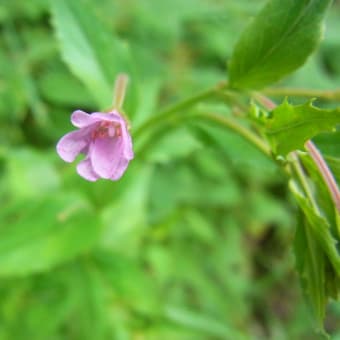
277 42
125 219
128 281
36 236
92 53
28 170
202 323
178 144
290 126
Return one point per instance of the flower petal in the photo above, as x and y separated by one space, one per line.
84 169
113 116
73 143
107 157
81 119
127 141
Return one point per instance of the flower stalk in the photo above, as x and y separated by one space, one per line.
119 91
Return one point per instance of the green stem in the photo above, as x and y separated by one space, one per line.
303 179
233 125
168 113
296 92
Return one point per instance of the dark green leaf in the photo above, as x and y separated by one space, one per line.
277 42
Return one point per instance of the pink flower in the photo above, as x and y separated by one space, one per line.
104 140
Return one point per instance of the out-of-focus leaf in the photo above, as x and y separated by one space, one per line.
290 126
202 323
92 53
329 143
36 236
128 281
178 144
59 87
30 174
90 303
277 42
125 218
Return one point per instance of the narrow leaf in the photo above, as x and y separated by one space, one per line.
277 42
310 264
290 126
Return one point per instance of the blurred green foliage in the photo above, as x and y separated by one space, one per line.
195 241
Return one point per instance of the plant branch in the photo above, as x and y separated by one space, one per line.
234 126
305 93
167 113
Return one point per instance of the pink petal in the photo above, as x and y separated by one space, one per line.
107 157
73 143
127 141
81 119
84 169
113 116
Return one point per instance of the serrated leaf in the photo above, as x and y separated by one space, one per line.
36 236
290 126
310 264
92 53
277 42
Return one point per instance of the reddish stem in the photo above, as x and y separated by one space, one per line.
325 172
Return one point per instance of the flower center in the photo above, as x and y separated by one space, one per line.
107 129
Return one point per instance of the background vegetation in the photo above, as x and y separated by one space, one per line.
195 242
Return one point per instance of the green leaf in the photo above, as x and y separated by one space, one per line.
317 257
92 53
277 42
36 236
28 170
320 229
121 274
123 230
203 323
290 126
310 263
